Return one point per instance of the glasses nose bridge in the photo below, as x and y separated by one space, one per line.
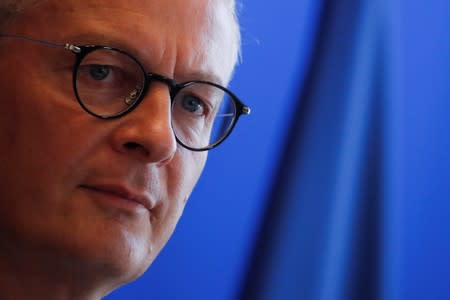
171 83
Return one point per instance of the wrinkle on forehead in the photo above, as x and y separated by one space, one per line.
212 20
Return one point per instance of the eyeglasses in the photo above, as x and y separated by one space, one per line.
109 83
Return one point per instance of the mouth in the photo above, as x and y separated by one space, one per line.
120 197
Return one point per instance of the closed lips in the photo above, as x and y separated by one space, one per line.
122 192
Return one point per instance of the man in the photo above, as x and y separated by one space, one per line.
108 110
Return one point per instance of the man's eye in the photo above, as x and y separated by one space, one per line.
99 72
193 105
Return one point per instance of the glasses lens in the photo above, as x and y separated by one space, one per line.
108 82
202 115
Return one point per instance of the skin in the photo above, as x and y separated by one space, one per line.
59 236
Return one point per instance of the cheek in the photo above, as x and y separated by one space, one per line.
185 171
45 138
181 176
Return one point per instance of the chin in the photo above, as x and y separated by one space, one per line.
112 268
106 252
123 256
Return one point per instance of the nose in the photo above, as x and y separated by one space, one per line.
146 133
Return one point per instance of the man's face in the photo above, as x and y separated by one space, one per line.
71 182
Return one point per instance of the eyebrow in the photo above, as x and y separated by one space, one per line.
105 40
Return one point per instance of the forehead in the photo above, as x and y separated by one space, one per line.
195 32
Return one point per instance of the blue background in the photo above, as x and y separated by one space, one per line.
395 234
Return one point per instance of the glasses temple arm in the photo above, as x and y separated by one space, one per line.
67 46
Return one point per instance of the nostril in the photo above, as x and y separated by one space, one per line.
157 154
136 148
131 145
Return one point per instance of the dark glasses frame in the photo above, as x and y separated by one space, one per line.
81 51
